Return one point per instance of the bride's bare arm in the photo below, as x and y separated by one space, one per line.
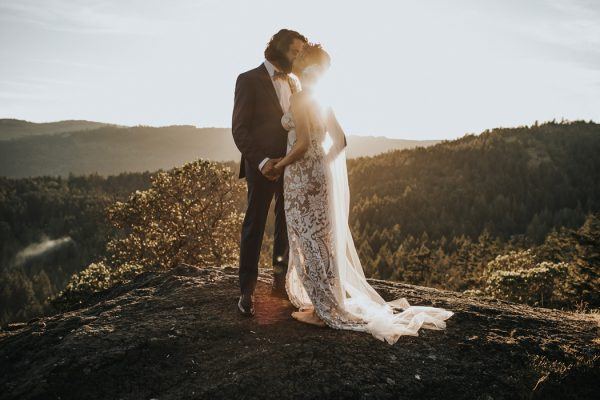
298 109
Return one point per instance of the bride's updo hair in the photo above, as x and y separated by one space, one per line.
309 66
312 58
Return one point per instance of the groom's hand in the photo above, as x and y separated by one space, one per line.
268 171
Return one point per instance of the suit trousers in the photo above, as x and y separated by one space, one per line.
260 194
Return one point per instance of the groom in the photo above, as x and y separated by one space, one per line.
262 96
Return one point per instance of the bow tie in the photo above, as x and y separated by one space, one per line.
279 74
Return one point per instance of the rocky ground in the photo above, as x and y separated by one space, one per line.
178 335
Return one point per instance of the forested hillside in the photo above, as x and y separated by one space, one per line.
51 228
472 196
510 213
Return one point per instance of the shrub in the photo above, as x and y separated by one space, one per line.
96 277
188 215
538 286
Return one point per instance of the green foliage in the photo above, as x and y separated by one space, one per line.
21 296
33 210
188 215
580 248
447 210
569 278
96 277
518 277
517 181
436 216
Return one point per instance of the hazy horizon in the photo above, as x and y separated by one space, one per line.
371 135
415 70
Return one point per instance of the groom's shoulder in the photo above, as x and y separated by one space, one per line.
250 73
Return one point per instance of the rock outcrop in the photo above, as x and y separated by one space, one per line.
177 335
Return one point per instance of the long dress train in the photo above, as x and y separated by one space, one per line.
324 270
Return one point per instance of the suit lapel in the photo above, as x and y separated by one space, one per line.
265 79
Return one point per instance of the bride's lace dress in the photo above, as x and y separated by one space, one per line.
324 271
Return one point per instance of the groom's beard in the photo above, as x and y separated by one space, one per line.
285 64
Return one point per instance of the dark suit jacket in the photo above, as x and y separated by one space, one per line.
256 121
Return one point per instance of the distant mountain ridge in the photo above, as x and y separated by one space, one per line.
84 147
16 128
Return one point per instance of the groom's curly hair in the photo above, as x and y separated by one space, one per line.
280 42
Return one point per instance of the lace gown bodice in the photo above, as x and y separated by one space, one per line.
319 273
287 121
317 136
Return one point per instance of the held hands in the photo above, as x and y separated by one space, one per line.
279 167
272 169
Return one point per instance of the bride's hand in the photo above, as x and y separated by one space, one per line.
278 167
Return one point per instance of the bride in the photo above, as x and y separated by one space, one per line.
325 279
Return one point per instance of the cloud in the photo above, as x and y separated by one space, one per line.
563 31
37 89
75 64
84 16
570 32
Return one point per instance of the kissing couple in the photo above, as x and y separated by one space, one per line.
294 149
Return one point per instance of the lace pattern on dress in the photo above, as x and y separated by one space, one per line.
312 276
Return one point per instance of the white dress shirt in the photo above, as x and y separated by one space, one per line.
283 90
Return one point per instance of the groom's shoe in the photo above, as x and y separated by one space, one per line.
246 305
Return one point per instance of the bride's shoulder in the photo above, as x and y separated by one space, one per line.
299 100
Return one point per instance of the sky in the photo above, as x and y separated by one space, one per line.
423 69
